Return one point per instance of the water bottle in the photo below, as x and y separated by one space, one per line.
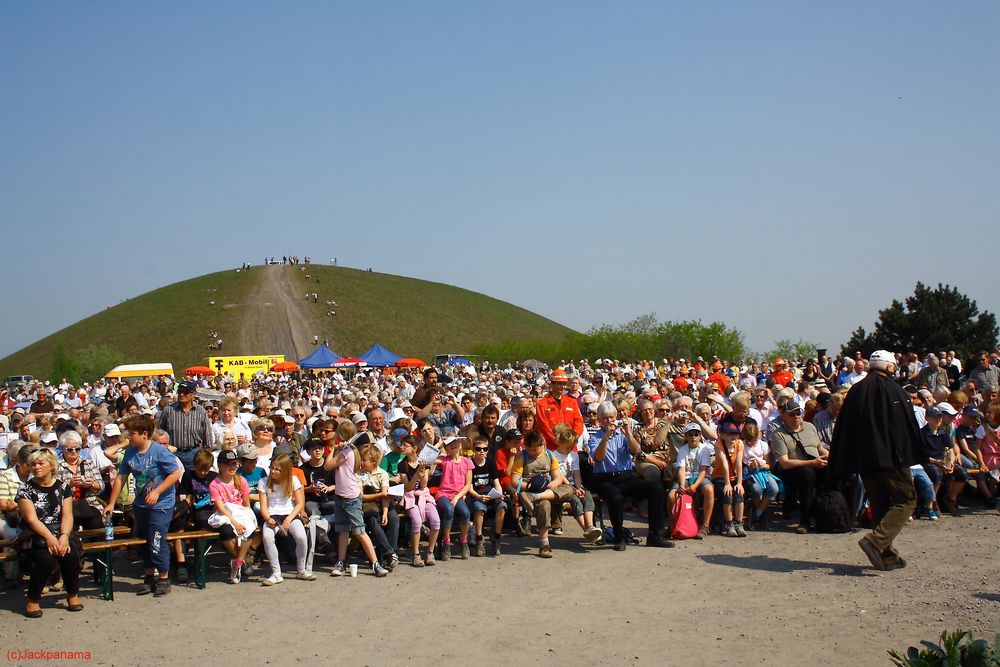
949 457
109 528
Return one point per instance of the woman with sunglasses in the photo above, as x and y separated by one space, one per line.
84 482
263 434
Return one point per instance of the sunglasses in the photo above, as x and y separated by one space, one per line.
71 449
481 449
326 430
265 428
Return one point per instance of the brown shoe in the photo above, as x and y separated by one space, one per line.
545 551
874 555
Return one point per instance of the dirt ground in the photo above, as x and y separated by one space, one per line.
772 598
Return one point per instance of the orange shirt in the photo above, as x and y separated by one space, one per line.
719 378
784 378
550 412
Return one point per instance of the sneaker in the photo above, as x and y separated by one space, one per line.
802 529
557 530
417 561
480 549
305 576
378 570
874 555
429 561
465 551
247 569
162 588
339 569
895 564
524 525
148 585
182 574
234 572
729 530
496 547
545 551
932 515
446 551
273 580
740 530
393 561
619 546
702 533
592 534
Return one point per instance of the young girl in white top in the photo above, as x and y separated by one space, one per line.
281 502
763 484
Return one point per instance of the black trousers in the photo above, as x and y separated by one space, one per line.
614 487
42 565
87 517
802 483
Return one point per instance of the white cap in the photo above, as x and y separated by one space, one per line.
884 356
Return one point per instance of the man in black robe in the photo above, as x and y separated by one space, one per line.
877 437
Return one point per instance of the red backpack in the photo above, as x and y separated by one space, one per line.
683 524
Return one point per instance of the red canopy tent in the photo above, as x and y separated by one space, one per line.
199 370
411 362
349 361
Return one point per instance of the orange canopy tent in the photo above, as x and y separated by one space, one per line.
199 370
411 363
285 367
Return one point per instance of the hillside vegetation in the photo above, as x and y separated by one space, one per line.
409 316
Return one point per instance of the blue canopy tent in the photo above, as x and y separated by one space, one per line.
322 357
379 356
459 360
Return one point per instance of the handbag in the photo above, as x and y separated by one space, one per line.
683 524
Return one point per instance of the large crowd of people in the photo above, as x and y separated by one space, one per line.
465 461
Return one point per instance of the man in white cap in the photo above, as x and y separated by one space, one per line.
877 436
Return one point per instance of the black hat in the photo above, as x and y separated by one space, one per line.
227 456
186 387
512 434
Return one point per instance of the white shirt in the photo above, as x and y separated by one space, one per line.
278 504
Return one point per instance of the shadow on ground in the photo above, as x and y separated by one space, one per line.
773 564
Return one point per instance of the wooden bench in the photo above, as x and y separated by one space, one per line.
106 548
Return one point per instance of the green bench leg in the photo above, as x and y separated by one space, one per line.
107 576
200 567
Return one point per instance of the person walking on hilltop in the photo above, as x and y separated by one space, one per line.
877 436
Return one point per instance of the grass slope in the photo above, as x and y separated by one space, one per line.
409 316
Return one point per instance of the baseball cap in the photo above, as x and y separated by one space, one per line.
185 387
513 434
49 437
112 430
883 356
244 452
229 456
693 426
729 428
791 407
558 375
358 417
946 409
398 434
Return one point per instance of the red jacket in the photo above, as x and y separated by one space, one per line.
551 412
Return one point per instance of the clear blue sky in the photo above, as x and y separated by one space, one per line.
786 167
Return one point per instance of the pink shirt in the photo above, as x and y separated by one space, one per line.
345 478
229 493
453 475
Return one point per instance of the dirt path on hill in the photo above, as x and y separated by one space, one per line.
274 319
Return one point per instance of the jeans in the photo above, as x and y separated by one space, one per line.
42 564
923 485
152 524
187 458
448 512
383 537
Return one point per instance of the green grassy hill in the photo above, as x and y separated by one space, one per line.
409 316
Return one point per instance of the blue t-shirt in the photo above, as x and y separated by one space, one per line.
149 470
617 457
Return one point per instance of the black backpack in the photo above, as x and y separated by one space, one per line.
830 512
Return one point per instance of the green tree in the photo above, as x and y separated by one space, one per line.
64 365
786 349
935 319
96 360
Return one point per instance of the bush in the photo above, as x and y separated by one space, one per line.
956 649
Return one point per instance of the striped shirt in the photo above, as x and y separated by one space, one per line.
189 429
824 426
